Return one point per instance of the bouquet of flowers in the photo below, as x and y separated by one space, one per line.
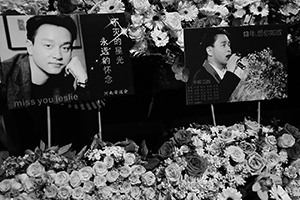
266 78
199 162
218 162
156 26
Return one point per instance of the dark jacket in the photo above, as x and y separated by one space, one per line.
207 75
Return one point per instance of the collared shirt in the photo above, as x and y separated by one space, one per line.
221 73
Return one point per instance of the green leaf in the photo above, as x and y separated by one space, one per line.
144 149
82 151
64 149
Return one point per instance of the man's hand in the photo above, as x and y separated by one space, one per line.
242 74
75 68
232 61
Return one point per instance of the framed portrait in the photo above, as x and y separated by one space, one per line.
260 60
15 31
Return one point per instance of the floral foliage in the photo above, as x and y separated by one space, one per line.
266 78
156 26
198 162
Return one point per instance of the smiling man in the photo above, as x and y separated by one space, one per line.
220 66
42 71
47 74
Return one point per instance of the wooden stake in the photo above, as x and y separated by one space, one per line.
258 113
49 126
99 123
213 114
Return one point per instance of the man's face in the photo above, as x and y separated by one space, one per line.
51 50
221 50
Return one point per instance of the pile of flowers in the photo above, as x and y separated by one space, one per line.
156 26
266 78
198 162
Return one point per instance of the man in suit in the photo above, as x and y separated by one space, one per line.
46 74
220 65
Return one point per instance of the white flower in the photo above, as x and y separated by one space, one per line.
259 8
187 11
230 193
153 19
173 20
239 13
112 6
159 37
140 5
238 4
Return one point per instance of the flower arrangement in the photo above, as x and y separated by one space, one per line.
266 78
198 162
156 26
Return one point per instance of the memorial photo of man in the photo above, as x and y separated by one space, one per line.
43 71
220 65
46 74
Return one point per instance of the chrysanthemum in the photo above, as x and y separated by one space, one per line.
187 11
112 6
159 37
230 193
153 19
259 8
221 10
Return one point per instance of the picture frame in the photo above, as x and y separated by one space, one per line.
15 31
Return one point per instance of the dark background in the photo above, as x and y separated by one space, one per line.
128 116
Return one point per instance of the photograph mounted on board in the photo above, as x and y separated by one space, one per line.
53 59
234 64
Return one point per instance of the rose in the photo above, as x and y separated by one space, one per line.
227 136
149 193
271 139
173 20
125 171
28 185
78 193
294 151
51 191
182 137
272 159
35 169
100 168
99 181
48 177
134 179
140 5
138 169
16 185
236 153
166 149
108 161
173 172
75 178
135 192
247 147
106 192
286 140
255 163
252 125
148 178
137 20
125 187
64 192
196 165
129 158
294 131
5 185
62 178
86 173
296 164
112 176
136 33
